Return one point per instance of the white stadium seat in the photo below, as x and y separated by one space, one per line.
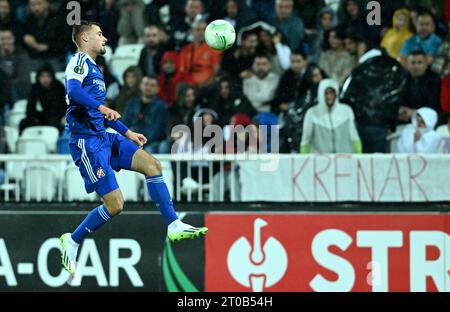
129 184
13 119
12 135
32 147
74 186
108 55
47 134
20 106
129 51
16 114
40 182
119 65
58 75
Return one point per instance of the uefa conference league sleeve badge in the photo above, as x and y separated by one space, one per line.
79 70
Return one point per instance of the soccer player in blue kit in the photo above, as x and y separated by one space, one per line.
98 153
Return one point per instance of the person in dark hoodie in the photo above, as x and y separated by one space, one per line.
132 78
46 101
292 128
353 19
169 78
229 102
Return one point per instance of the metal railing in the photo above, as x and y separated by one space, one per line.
190 178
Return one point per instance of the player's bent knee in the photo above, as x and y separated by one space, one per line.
153 168
115 205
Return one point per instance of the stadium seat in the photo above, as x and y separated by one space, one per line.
40 182
108 55
129 51
118 66
16 114
394 137
12 135
47 134
74 186
58 75
32 146
20 106
129 184
13 119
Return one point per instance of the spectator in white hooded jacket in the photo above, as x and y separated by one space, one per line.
420 137
329 126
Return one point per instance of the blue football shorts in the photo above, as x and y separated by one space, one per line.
98 156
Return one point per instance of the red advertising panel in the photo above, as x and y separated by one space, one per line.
296 252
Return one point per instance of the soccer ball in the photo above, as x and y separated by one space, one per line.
220 35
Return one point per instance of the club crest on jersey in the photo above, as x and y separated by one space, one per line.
79 70
100 173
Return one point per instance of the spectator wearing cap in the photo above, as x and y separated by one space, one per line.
261 86
420 137
290 25
336 61
425 39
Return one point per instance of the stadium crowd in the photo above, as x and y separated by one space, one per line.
316 68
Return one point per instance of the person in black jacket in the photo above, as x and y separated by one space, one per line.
292 83
229 101
151 54
5 96
423 88
46 101
292 127
375 91
43 36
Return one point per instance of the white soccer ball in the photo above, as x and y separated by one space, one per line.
220 35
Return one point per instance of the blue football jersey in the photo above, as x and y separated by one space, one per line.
82 119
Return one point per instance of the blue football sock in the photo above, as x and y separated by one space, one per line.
95 219
159 193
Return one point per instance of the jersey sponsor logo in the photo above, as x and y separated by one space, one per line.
100 83
79 70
